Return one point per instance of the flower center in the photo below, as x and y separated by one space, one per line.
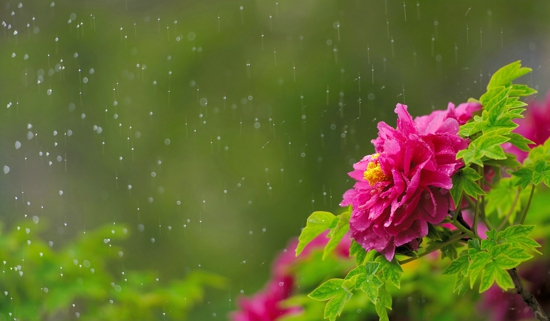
374 173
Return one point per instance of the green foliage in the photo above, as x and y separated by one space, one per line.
536 167
465 181
43 284
505 199
494 127
337 232
317 223
489 197
370 277
491 259
505 75
358 252
334 291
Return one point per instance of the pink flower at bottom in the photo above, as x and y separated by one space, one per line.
265 305
405 185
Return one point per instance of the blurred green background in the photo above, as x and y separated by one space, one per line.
213 128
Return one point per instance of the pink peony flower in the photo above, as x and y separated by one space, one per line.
405 185
265 305
534 126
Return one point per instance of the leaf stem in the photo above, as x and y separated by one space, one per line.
438 247
463 229
478 201
528 204
476 214
507 217
527 297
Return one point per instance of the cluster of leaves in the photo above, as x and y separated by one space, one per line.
371 275
489 198
536 167
40 283
501 105
493 257
488 131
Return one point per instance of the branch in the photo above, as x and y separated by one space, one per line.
527 297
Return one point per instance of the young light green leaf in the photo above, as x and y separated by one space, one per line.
384 302
505 75
389 271
476 267
472 127
494 273
327 290
317 223
517 236
371 286
458 265
337 233
485 146
524 177
489 146
510 162
503 279
336 305
520 142
522 90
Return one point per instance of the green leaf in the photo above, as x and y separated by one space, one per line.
522 90
458 265
520 142
524 177
504 262
510 161
371 286
317 223
337 233
472 127
327 290
494 273
389 271
334 291
503 279
485 146
478 264
384 302
336 305
465 180
489 146
505 75
517 236
358 251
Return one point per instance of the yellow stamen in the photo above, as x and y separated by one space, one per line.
374 173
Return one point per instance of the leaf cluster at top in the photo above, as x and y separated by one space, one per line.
501 105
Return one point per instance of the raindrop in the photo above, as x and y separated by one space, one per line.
6 169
